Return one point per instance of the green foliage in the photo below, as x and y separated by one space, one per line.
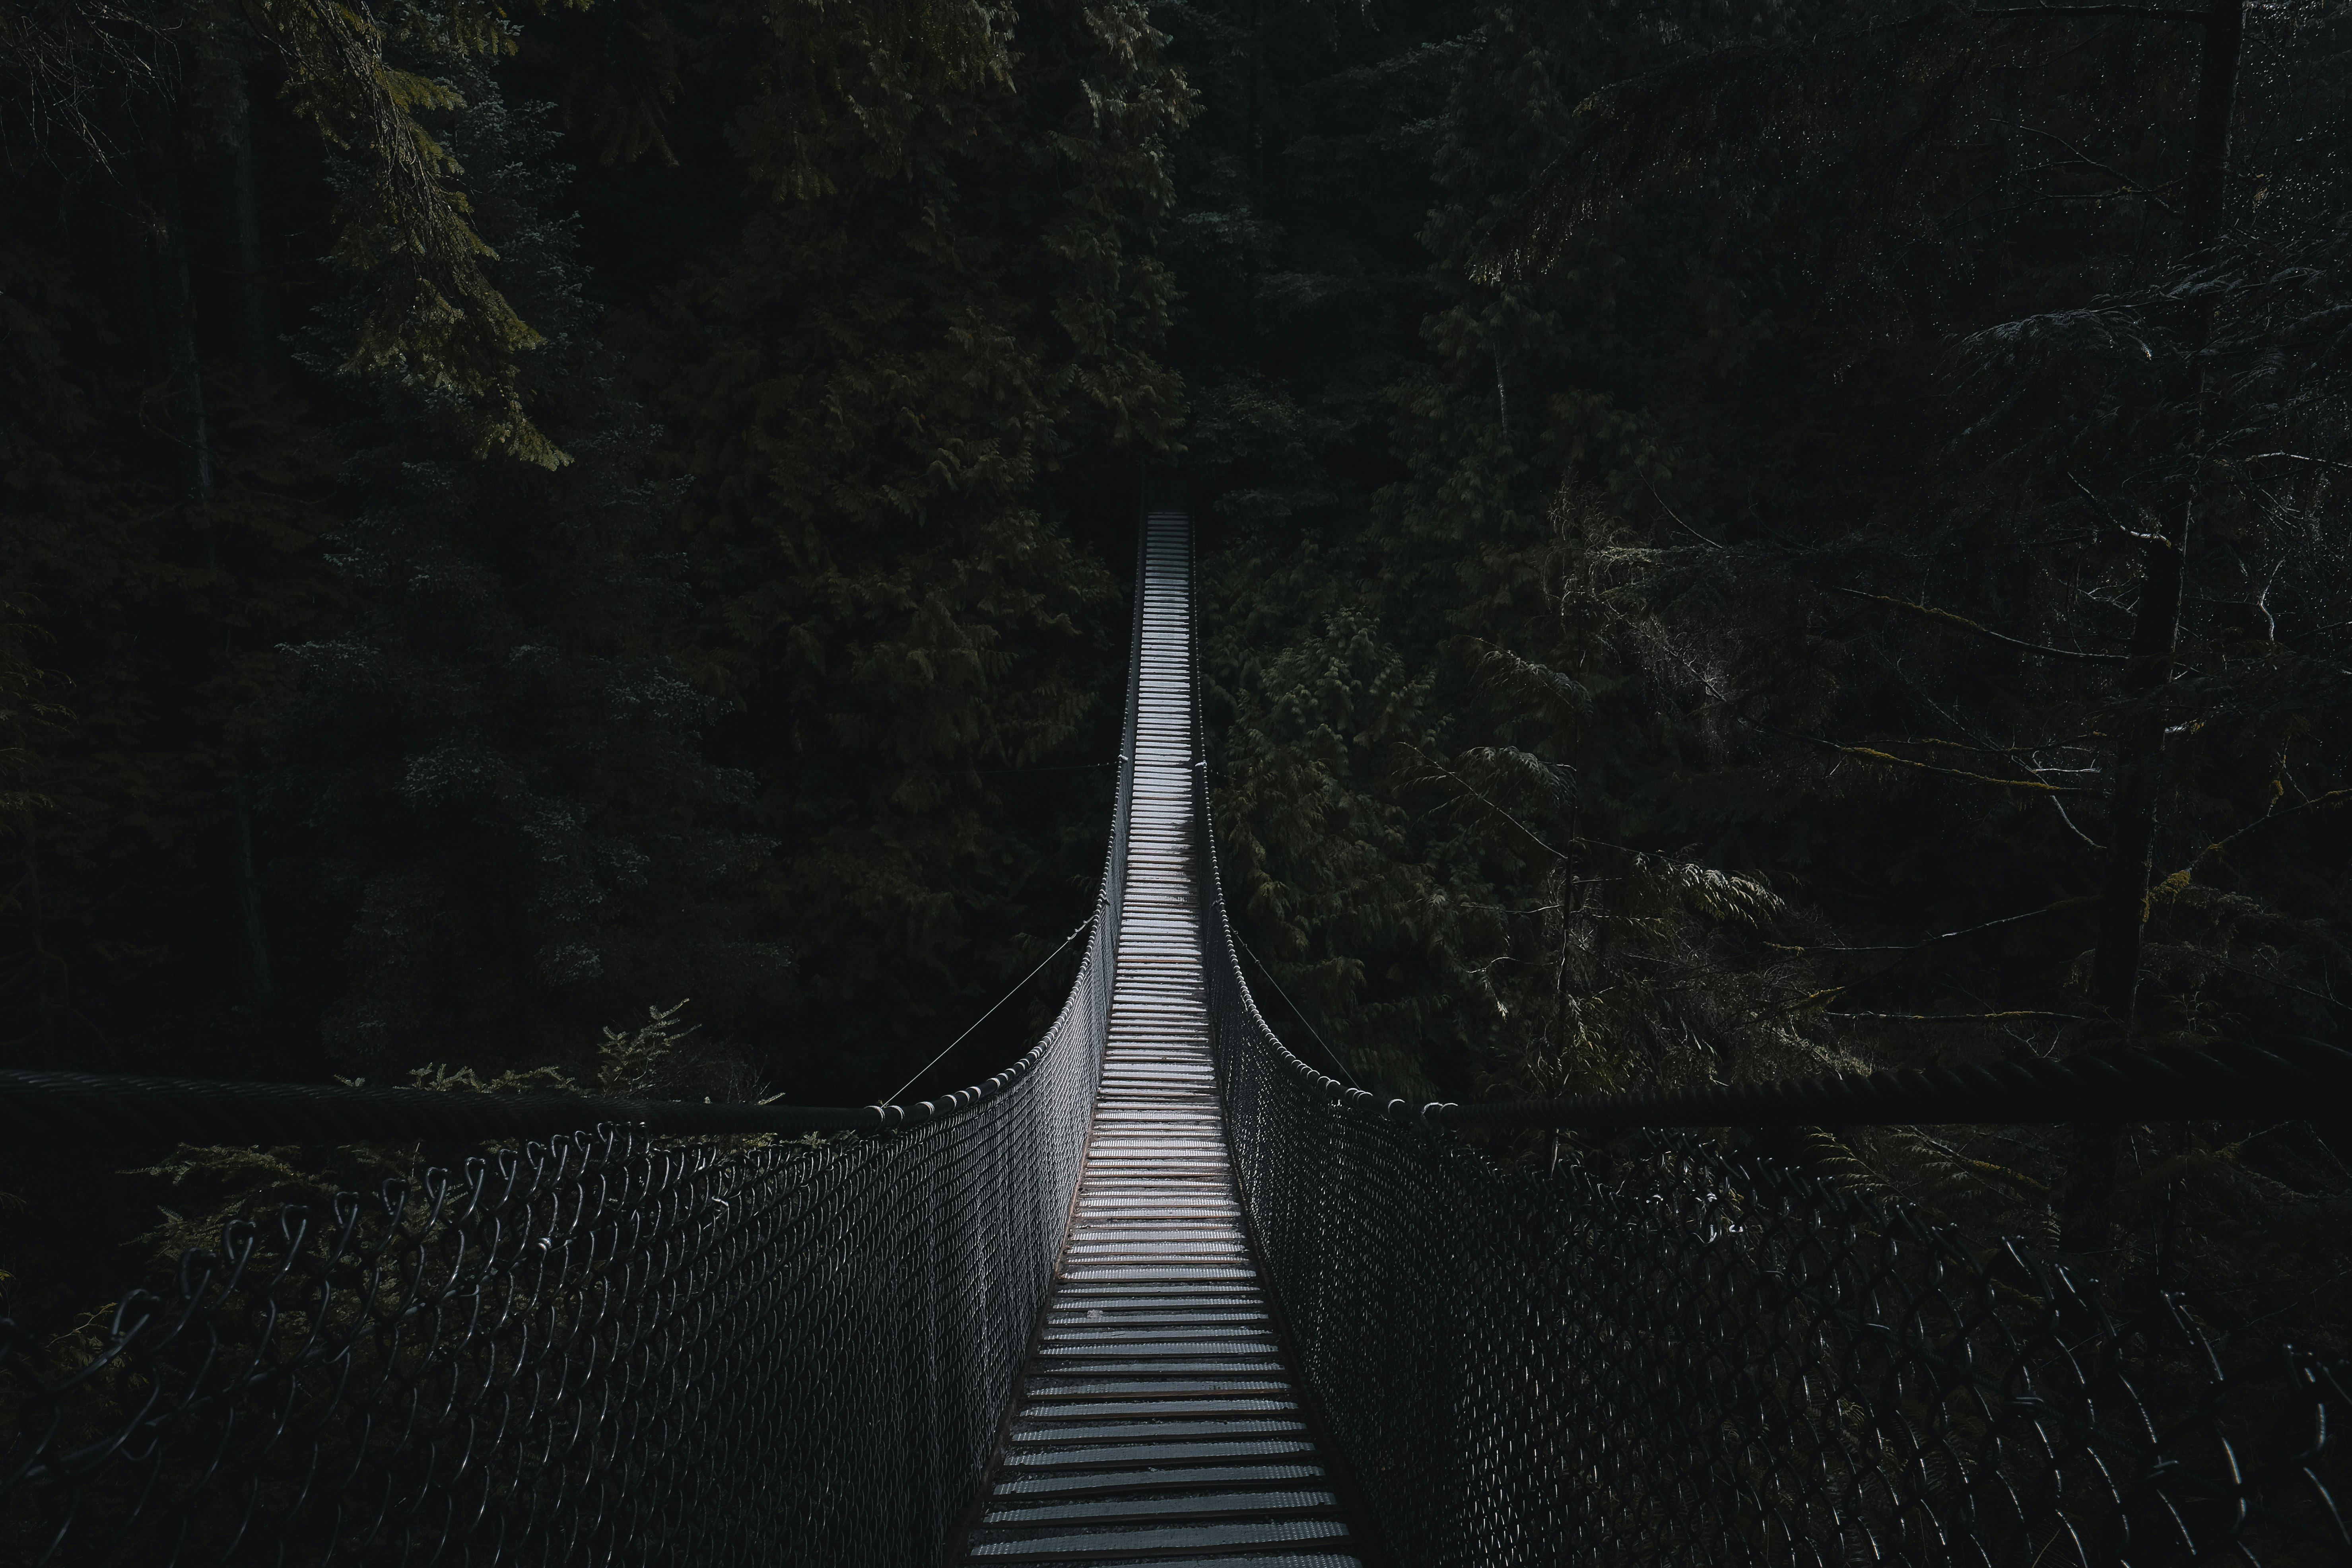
1690 496
435 323
1302 185
144 637
436 623
660 1059
496 753
1780 474
434 326
347 725
945 287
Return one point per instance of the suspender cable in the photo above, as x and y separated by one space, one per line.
1301 1011
892 1098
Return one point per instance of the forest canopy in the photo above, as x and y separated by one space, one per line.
1738 542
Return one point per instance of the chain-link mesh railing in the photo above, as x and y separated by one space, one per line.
615 1346
609 1347
606 1347
1695 1360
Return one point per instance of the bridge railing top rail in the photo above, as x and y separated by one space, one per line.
2288 1075
1682 1353
2222 1081
604 1338
85 1106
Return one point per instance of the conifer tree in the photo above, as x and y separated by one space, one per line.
2083 433
1400 860
156 558
945 289
1303 185
496 757
168 494
1777 606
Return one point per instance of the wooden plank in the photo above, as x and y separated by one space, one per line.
1157 1423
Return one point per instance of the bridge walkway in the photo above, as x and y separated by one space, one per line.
1157 1422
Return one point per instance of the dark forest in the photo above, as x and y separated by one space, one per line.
1737 544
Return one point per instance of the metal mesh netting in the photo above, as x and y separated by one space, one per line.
1697 1361
623 1349
606 1347
601 1349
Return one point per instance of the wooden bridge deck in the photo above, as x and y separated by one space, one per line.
1157 1423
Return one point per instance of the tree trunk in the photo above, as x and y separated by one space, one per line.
2155 631
2156 628
180 362
51 996
195 435
248 898
245 209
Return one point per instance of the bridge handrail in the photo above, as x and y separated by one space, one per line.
1674 1355
2214 1082
622 1341
83 1107
2203 1084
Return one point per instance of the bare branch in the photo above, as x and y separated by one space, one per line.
1479 795
2146 13
1878 756
1946 936
2264 820
1946 616
1956 1018
2299 458
1686 526
2060 807
2109 518
2130 185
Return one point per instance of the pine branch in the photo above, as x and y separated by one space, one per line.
1931 613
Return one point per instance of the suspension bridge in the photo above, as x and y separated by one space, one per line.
1160 1293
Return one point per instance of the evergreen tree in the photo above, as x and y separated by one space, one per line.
946 291
1742 680
495 759
168 485
1303 186
154 557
